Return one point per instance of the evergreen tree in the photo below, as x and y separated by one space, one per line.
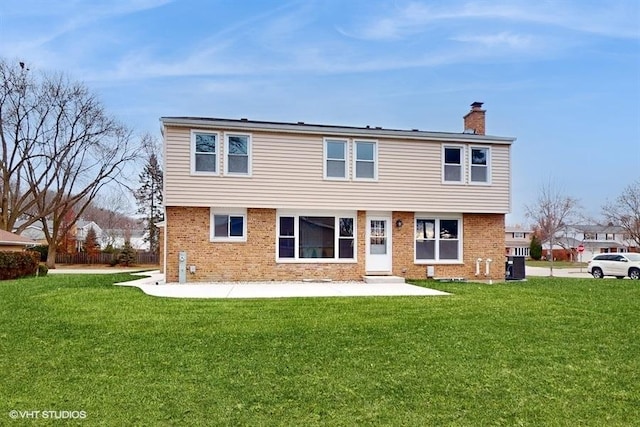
127 256
149 199
535 248
91 245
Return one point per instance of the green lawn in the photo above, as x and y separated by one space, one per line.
547 352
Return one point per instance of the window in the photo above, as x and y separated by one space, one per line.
518 235
589 236
204 152
609 236
438 239
480 172
228 225
238 149
365 160
452 168
335 163
314 238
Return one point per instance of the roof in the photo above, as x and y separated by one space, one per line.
516 229
8 238
301 127
589 228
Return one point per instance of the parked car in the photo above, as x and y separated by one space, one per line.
619 265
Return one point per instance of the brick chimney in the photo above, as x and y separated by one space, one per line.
474 119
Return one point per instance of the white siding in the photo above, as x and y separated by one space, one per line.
288 173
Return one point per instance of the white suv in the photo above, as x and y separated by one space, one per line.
619 265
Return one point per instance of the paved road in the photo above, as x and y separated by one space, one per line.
557 272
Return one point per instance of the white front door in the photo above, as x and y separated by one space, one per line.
378 247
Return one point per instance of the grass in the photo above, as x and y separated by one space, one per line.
550 351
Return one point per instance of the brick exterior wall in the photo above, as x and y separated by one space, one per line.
187 229
483 237
253 260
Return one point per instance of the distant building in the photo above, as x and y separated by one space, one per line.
517 241
14 242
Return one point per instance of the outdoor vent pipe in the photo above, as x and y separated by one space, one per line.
487 266
478 261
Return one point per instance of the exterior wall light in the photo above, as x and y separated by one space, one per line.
399 223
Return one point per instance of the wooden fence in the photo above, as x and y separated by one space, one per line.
103 259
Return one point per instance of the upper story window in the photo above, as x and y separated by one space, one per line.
590 236
366 160
238 159
480 172
609 236
204 152
335 159
452 165
518 235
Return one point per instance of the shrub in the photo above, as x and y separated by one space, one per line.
14 265
43 250
128 255
535 249
42 270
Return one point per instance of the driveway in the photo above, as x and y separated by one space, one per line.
557 272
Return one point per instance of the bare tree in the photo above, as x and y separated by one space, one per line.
550 213
625 211
59 149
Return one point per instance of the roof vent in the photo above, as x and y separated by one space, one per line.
300 123
244 119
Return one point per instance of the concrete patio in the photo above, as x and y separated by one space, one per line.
154 284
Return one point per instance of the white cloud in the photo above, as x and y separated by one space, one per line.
612 19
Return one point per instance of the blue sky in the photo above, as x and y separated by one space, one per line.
563 77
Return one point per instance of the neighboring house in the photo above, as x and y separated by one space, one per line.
80 233
252 200
595 239
517 241
117 236
14 242
33 231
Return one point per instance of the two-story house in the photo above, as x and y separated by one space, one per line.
252 200
596 239
517 241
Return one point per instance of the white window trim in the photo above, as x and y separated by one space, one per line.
230 212
249 154
296 235
192 157
462 163
355 159
482 147
325 158
438 217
